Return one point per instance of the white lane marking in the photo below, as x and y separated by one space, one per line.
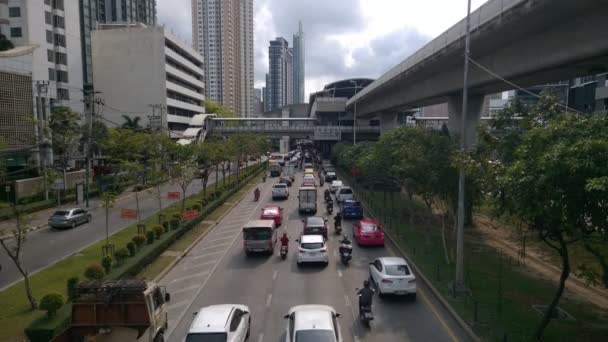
235 221
225 232
173 306
268 300
274 274
184 289
218 239
233 230
213 246
261 337
204 255
339 273
197 265
191 276
231 226
347 300
355 325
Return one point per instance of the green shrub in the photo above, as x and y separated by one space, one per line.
139 240
106 262
131 248
71 287
120 255
174 224
94 271
197 207
176 216
149 237
51 303
166 226
158 231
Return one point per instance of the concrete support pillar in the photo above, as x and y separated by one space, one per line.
284 144
475 105
388 121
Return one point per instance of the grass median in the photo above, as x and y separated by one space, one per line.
15 313
503 300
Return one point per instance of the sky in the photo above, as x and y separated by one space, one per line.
343 38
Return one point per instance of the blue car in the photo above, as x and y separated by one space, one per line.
351 208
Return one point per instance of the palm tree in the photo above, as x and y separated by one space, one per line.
131 123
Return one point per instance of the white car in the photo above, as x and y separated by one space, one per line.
309 177
344 193
224 322
392 275
335 185
318 323
280 190
312 248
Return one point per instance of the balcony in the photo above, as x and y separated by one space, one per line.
601 93
185 105
184 62
184 77
184 91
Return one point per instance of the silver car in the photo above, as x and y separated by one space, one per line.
69 218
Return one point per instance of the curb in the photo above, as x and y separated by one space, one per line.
172 265
463 325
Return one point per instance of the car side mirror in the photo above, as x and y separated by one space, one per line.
286 316
245 312
338 315
194 314
371 263
167 297
297 240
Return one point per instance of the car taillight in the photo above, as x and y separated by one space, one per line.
387 281
412 281
301 250
244 243
270 243
324 250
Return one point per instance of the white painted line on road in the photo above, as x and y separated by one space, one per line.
184 289
197 265
176 305
218 239
192 276
339 273
234 222
347 300
233 230
223 244
261 337
225 232
355 325
204 255
274 275
268 300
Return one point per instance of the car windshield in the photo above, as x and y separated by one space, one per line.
207 337
315 221
368 227
257 234
280 186
352 204
316 335
346 191
61 213
397 270
336 183
312 245
271 211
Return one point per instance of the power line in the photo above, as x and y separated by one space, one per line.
518 87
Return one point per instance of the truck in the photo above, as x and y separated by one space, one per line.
307 199
117 310
275 169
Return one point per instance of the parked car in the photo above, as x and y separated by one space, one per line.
330 176
344 193
223 322
315 225
312 248
272 212
392 275
69 218
369 233
351 208
280 190
285 180
335 185
318 323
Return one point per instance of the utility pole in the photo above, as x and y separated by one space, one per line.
92 101
42 88
460 285
354 113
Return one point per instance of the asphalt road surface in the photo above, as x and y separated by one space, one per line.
216 271
47 246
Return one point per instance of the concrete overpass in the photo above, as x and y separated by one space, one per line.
527 42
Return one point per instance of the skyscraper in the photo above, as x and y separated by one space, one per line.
279 80
93 12
298 66
223 34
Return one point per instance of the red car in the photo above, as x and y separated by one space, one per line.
309 183
369 233
272 212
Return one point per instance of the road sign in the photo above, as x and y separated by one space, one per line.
189 214
173 195
128 213
59 185
327 133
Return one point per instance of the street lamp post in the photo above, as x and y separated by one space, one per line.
355 113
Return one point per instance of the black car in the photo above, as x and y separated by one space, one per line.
314 225
285 180
330 176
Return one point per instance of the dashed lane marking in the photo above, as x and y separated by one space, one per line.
274 274
176 305
204 255
191 276
184 289
218 239
197 265
339 273
261 337
268 300
225 232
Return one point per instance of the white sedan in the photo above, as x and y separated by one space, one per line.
318 323
392 275
335 185
224 322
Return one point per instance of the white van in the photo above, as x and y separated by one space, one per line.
307 197
259 236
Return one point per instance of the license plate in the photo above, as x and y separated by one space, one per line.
312 253
257 250
346 254
400 292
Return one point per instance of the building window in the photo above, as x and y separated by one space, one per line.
59 39
47 2
48 18
58 21
61 58
51 74
49 37
58 4
15 32
62 76
50 55
63 94
14 12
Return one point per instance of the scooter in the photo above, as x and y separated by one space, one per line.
256 196
366 315
283 252
338 228
346 252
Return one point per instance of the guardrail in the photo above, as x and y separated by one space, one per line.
293 129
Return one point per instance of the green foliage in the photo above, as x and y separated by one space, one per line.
121 254
94 271
139 240
197 207
71 286
216 108
51 303
106 262
149 237
158 231
165 225
131 123
5 44
65 129
174 223
132 248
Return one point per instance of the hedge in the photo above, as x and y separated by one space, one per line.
43 329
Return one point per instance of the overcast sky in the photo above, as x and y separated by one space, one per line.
344 38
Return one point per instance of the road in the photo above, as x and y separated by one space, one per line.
216 271
47 246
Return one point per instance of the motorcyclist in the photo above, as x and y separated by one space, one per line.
284 240
321 181
366 295
256 194
338 220
330 204
327 195
264 177
343 243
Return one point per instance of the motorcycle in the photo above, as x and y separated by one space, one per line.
366 315
338 228
264 179
283 252
256 196
330 207
346 252
327 196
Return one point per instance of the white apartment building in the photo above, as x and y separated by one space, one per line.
145 72
53 25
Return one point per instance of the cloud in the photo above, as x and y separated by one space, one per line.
176 15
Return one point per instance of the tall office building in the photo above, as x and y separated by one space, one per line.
298 66
223 34
279 81
93 12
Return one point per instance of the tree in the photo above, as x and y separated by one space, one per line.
131 123
216 108
184 169
99 134
159 146
206 157
65 129
5 44
550 186
108 199
13 250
